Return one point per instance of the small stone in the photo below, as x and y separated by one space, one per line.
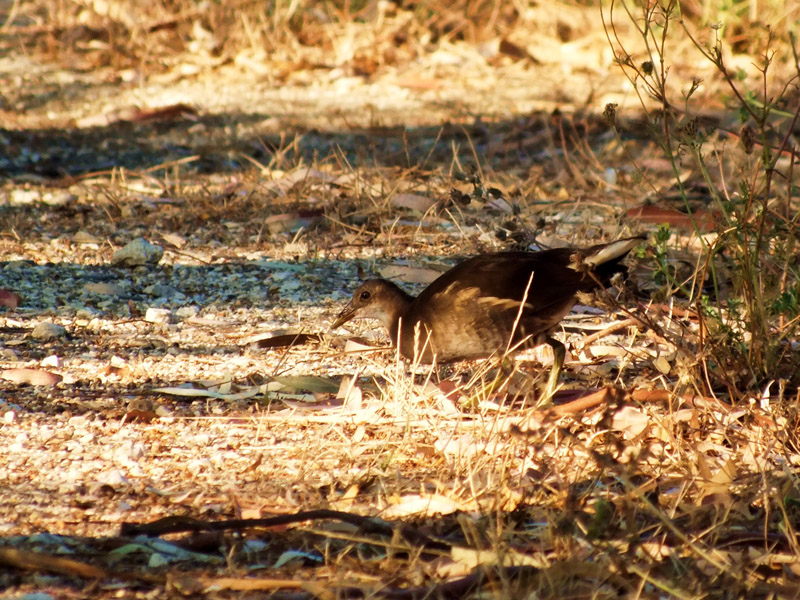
157 561
140 404
163 411
8 355
87 313
58 198
36 596
258 295
45 331
186 312
138 252
87 439
129 451
157 315
21 197
10 416
83 237
19 264
112 478
160 290
104 289
78 421
51 361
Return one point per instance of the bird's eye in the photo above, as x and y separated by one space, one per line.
364 295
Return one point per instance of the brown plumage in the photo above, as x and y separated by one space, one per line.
469 311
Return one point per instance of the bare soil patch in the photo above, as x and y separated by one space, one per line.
274 179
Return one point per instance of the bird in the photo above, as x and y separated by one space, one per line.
489 304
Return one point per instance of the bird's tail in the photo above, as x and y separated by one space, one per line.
604 259
613 251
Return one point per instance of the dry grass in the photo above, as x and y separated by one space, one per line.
681 482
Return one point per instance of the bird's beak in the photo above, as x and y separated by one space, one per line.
348 312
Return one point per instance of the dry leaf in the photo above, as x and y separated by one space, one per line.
83 237
283 183
345 502
282 338
413 201
173 239
508 558
591 353
358 434
409 274
631 421
418 83
9 299
191 392
715 489
134 114
463 446
308 383
421 506
31 376
661 364
350 393
141 416
353 345
653 214
285 222
515 51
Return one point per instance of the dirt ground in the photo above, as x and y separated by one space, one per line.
273 185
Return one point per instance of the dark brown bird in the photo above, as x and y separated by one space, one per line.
473 310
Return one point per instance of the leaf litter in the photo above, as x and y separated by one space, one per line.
168 451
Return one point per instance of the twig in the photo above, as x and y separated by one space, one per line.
374 525
614 327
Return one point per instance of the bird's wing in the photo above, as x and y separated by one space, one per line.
502 280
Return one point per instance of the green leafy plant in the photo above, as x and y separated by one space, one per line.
745 287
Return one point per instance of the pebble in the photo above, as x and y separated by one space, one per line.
104 289
157 315
83 237
58 198
87 313
8 355
19 264
129 451
36 596
46 331
51 361
21 197
113 478
161 290
157 561
138 252
186 312
78 421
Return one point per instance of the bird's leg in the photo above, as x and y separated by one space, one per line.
559 352
499 374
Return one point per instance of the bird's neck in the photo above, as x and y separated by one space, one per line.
396 311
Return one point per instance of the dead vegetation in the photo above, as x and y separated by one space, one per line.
278 152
